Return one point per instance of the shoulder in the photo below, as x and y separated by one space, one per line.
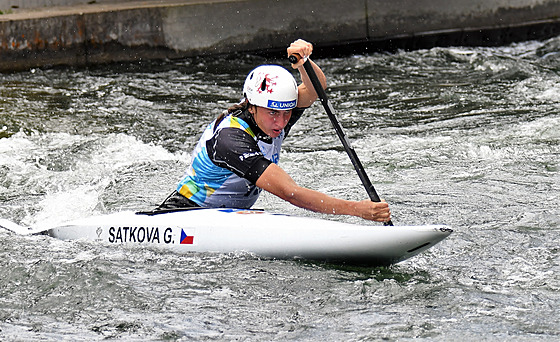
232 140
235 122
233 133
235 149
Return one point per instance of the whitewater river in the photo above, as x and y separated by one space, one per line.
468 137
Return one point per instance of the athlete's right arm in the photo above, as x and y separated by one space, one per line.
278 182
306 92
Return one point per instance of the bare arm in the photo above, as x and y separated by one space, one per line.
278 182
306 92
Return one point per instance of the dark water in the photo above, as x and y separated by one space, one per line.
468 137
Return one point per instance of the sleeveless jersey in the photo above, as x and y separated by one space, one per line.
228 160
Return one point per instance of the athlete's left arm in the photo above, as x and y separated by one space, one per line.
306 92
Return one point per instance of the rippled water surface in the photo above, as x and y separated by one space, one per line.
467 137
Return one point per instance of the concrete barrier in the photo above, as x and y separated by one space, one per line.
102 32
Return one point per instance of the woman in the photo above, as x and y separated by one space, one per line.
238 153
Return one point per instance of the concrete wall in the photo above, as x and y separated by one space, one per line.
409 16
8 6
130 30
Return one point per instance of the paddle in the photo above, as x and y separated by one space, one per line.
338 128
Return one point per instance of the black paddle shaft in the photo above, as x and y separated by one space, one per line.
338 128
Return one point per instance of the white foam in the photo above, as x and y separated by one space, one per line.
71 172
120 150
536 88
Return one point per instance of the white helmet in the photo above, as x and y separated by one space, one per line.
271 86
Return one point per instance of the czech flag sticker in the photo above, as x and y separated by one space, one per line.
186 239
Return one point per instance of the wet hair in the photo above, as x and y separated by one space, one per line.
243 105
239 107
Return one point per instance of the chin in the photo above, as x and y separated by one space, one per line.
275 134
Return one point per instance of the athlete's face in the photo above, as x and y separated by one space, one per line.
271 121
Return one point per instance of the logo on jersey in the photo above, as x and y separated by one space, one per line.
249 155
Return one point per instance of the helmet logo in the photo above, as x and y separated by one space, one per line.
267 84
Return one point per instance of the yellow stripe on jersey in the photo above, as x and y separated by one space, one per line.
235 123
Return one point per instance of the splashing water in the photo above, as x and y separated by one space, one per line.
463 136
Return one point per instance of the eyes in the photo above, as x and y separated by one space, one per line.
279 113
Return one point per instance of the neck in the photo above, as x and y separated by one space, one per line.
248 118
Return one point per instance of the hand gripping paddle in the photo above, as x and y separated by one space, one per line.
338 128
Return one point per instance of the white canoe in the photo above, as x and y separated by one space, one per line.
261 233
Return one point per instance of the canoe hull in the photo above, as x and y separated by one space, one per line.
261 233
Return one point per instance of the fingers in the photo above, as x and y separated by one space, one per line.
302 48
381 212
376 211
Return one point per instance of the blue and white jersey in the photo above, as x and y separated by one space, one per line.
229 159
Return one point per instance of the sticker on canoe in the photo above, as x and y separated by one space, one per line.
140 235
156 235
186 239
